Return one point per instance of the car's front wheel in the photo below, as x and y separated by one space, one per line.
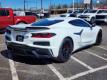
65 50
99 38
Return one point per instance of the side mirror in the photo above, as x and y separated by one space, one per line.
93 25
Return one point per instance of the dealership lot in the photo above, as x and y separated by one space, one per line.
86 64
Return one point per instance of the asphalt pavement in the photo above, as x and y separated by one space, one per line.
86 64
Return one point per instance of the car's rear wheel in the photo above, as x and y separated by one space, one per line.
65 50
99 38
9 48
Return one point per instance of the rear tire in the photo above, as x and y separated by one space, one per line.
65 50
99 38
9 48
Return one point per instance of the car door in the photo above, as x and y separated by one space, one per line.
84 31
87 34
5 19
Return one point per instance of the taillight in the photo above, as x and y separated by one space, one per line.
42 35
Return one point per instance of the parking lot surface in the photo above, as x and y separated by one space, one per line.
86 64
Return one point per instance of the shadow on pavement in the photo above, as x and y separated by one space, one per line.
32 60
84 48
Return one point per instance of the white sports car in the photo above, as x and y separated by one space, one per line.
56 37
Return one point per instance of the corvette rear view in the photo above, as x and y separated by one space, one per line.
55 38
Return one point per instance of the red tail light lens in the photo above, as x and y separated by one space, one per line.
43 35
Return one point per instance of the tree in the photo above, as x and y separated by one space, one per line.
58 6
51 7
64 6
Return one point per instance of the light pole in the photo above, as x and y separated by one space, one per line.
98 3
50 4
36 4
41 4
24 5
50 7
41 11
77 4
73 5
0 5
91 4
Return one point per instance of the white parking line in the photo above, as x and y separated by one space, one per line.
95 55
102 47
2 44
31 72
59 75
2 68
12 68
86 72
82 63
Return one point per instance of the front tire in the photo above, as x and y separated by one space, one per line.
65 50
99 38
92 20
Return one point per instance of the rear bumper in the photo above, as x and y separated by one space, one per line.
29 51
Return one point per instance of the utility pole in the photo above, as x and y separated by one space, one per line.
50 4
24 5
41 4
73 5
77 4
91 4
0 5
36 4
41 11
50 7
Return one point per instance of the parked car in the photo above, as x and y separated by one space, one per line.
55 38
71 13
68 15
90 15
43 14
82 12
102 16
8 17
29 13
75 13
26 13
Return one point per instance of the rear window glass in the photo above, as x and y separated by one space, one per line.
46 22
4 12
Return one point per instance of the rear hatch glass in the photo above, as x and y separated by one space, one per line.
46 22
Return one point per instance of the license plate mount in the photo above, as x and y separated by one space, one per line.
19 38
